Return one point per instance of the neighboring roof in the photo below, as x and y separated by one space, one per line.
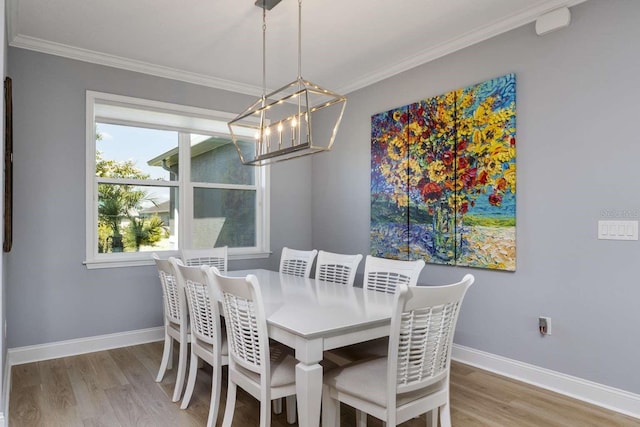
170 157
157 209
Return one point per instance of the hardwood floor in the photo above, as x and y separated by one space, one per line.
117 388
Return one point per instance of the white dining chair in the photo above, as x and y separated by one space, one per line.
213 257
176 322
337 268
263 369
296 262
380 275
208 343
414 376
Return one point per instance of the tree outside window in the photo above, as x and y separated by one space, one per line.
120 226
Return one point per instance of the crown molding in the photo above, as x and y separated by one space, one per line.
58 49
422 57
11 19
458 43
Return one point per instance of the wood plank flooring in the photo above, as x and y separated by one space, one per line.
117 388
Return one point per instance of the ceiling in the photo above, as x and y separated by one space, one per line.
346 44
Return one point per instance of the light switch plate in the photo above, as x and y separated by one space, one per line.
617 230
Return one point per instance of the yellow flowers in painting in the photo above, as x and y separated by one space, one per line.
443 178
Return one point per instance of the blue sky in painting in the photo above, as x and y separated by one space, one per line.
484 208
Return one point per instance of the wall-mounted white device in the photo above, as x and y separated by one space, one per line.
552 21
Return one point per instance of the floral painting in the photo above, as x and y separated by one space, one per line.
443 178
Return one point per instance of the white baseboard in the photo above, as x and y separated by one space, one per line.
34 353
597 394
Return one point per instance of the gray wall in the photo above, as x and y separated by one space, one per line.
51 296
578 93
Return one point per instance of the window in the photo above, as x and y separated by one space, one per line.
161 177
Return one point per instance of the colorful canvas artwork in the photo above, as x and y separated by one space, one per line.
443 178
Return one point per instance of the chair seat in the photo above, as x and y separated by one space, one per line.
361 351
224 348
176 327
283 368
367 380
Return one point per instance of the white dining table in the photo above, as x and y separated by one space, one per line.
311 316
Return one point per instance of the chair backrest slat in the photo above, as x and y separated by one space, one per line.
173 306
245 322
296 262
204 315
384 275
213 257
337 268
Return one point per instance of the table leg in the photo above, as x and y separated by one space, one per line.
309 393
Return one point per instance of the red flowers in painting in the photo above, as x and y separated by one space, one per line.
431 191
447 158
495 199
468 177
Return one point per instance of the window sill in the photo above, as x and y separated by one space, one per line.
143 262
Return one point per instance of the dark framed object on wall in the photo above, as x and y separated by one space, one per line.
8 165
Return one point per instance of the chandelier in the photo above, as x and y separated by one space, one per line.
299 119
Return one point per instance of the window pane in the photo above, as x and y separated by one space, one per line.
215 160
135 152
223 218
136 218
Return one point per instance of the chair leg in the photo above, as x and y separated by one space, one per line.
330 409
361 418
445 415
166 355
432 418
231 405
216 385
277 406
191 380
182 367
291 409
265 413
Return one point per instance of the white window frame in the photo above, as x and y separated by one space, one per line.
164 116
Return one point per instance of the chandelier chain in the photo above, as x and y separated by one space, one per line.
299 38
264 49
